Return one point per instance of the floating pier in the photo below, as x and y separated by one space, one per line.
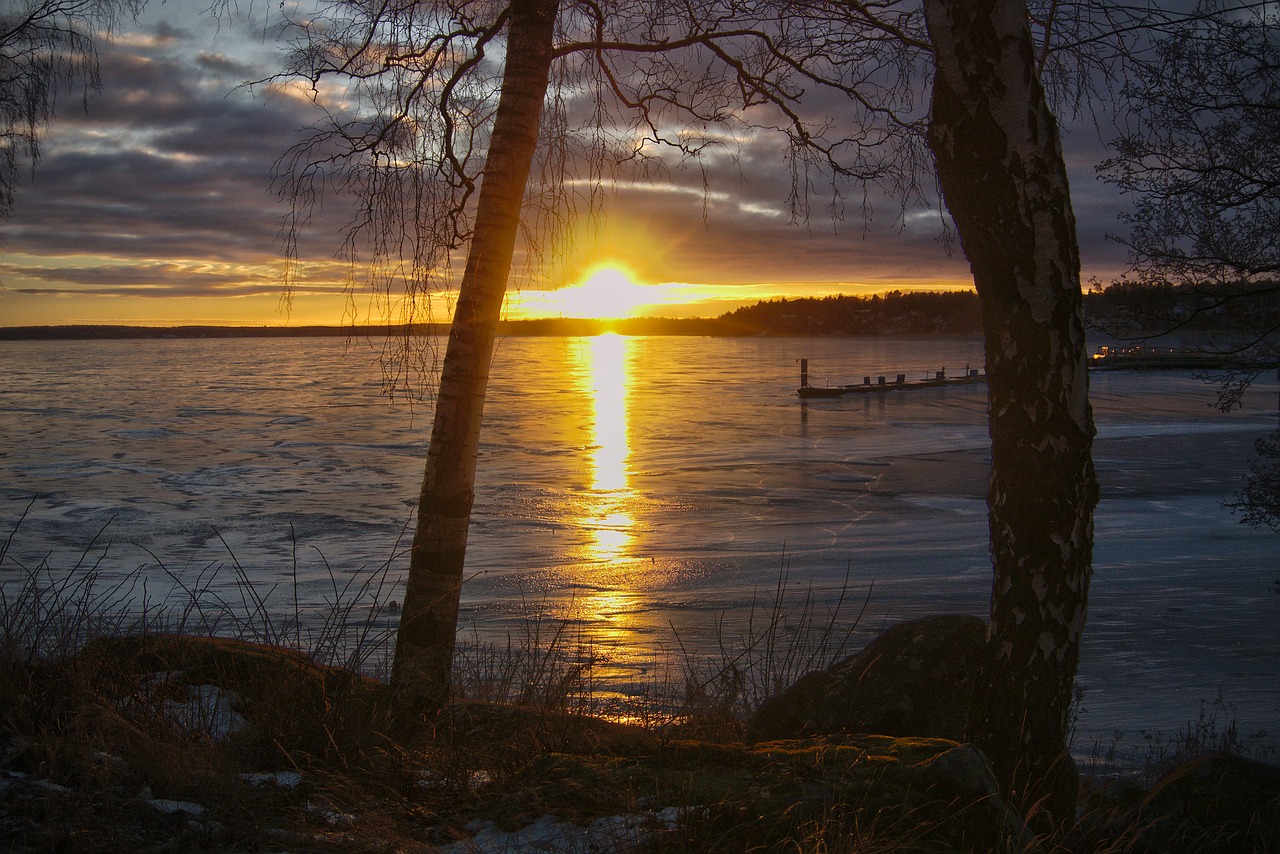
971 376
1140 358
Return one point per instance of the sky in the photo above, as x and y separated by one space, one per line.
153 204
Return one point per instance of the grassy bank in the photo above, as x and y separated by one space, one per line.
220 721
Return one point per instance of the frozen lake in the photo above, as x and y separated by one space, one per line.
644 489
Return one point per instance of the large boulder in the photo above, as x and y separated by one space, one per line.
1210 803
260 697
915 679
256 696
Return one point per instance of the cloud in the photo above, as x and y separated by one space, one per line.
170 166
225 66
172 159
132 275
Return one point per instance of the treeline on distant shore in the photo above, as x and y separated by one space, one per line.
894 313
90 332
559 326
1136 308
1122 307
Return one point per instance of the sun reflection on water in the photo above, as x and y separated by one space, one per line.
608 580
609 518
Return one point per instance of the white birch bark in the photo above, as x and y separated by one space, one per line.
428 623
1000 166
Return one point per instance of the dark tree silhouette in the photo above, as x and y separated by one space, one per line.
1259 501
1002 173
1201 163
1201 160
436 167
412 158
48 50
424 644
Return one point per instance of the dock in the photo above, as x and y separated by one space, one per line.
882 384
1142 358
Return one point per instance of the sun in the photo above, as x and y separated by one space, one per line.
609 292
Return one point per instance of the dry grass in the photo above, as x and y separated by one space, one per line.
786 635
90 741
1152 754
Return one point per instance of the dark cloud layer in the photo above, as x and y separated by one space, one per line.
171 165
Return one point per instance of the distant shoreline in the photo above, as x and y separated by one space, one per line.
1126 313
894 313
566 327
550 328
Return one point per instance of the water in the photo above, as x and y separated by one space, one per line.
647 490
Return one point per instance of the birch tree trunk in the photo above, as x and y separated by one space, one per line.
1000 166
428 623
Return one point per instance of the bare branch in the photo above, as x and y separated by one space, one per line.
48 48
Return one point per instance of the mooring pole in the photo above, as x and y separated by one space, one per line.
804 373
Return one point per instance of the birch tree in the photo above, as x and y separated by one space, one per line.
1001 170
424 644
425 140
999 165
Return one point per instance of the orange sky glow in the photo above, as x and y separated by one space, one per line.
154 204
608 290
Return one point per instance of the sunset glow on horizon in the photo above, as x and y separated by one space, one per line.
609 292
154 205
252 296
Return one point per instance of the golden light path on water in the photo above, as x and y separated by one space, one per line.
609 580
607 380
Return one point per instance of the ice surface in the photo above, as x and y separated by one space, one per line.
197 463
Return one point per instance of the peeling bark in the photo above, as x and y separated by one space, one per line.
1000 166
428 623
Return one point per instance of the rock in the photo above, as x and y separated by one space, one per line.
169 806
962 771
258 696
1204 805
1213 803
963 777
270 702
915 679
